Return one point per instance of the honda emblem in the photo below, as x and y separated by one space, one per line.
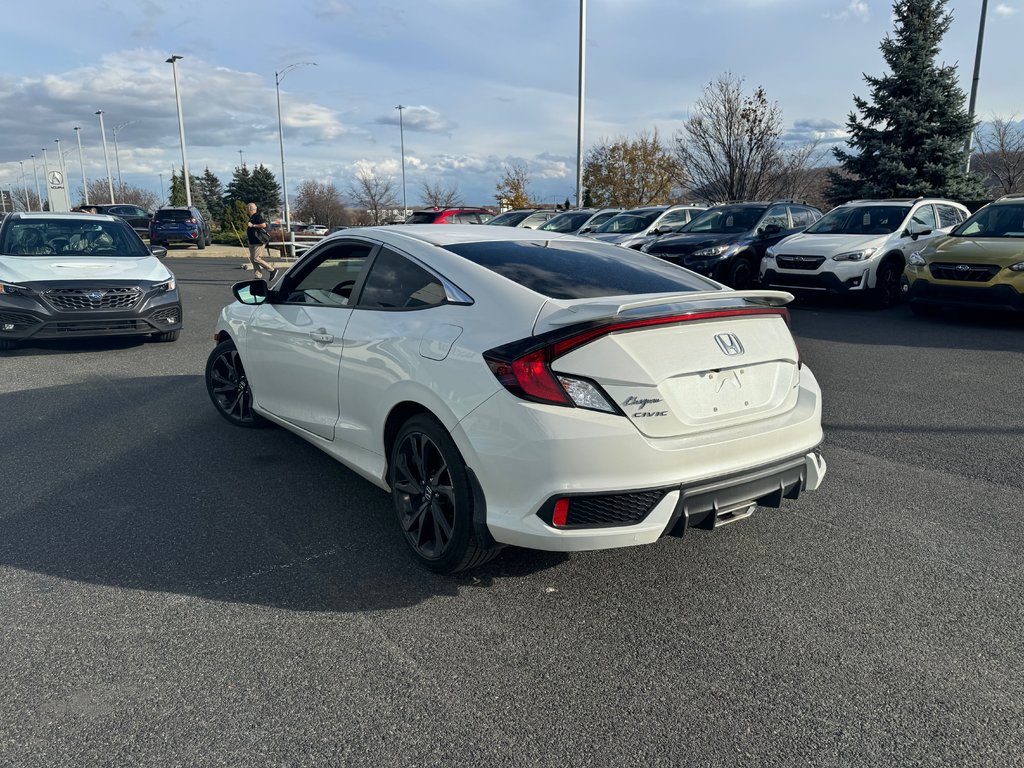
730 344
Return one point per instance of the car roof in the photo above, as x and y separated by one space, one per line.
902 201
452 234
62 216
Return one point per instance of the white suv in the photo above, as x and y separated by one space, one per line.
861 246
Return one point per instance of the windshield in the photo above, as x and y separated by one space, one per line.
423 217
630 221
72 238
860 220
994 221
566 222
509 218
728 219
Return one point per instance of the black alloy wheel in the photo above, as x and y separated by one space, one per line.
229 387
431 492
887 291
741 274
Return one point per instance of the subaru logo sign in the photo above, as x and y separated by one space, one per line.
95 295
962 267
729 343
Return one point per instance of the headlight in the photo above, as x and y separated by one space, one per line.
10 289
165 286
854 255
770 253
714 250
1018 267
917 260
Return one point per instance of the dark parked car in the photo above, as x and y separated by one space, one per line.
528 218
450 216
727 243
179 225
137 217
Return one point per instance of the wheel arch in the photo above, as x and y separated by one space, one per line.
894 256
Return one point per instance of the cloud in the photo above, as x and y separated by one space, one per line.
855 9
1005 9
422 119
808 130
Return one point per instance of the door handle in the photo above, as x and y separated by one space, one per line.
321 336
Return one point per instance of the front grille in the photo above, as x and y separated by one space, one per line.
19 320
84 299
799 262
619 509
93 327
972 273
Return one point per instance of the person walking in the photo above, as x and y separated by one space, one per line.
256 223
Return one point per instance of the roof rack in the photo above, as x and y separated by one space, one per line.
1011 196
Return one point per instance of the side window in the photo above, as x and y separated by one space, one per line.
394 282
802 217
331 278
673 219
948 216
925 215
776 215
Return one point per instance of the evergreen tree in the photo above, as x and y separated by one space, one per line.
240 189
178 197
909 139
588 199
212 193
265 190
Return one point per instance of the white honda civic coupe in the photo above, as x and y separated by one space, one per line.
512 386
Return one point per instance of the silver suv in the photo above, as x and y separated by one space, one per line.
636 227
859 247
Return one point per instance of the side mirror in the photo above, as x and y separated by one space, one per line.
916 230
251 292
158 250
770 229
585 229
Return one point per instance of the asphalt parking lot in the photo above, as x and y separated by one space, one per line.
175 591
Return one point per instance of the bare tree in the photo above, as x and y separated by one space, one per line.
511 191
23 203
375 193
321 203
999 158
631 172
440 194
732 149
99 193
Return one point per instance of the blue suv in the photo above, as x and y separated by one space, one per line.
179 225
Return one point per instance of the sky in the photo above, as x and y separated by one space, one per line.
484 83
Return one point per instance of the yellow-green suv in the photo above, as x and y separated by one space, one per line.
979 264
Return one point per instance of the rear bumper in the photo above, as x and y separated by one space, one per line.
526 455
998 297
160 236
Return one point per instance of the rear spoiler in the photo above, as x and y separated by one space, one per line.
558 314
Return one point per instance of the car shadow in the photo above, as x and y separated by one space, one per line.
40 347
842 319
139 484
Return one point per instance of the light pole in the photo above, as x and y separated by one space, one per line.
579 113
173 61
969 146
401 134
24 184
81 162
162 196
117 160
106 157
35 175
46 175
278 77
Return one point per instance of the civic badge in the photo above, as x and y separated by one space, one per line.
729 343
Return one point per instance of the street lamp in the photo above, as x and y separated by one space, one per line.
579 112
35 175
278 77
106 157
401 134
162 196
969 147
173 61
117 160
46 175
81 162
24 184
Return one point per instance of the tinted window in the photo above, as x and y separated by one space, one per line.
566 222
861 220
509 218
395 282
423 217
174 215
630 222
44 237
329 279
776 217
674 219
802 217
580 270
948 216
727 219
994 221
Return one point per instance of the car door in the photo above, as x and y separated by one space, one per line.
293 343
923 216
777 215
402 324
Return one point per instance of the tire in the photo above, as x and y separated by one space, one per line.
229 389
201 243
6 344
166 336
433 498
887 291
741 274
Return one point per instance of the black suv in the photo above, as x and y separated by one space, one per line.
137 217
179 225
727 242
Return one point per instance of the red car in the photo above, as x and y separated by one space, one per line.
450 216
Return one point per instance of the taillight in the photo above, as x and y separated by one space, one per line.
191 221
530 377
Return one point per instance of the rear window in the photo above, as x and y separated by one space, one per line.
580 270
423 217
173 215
